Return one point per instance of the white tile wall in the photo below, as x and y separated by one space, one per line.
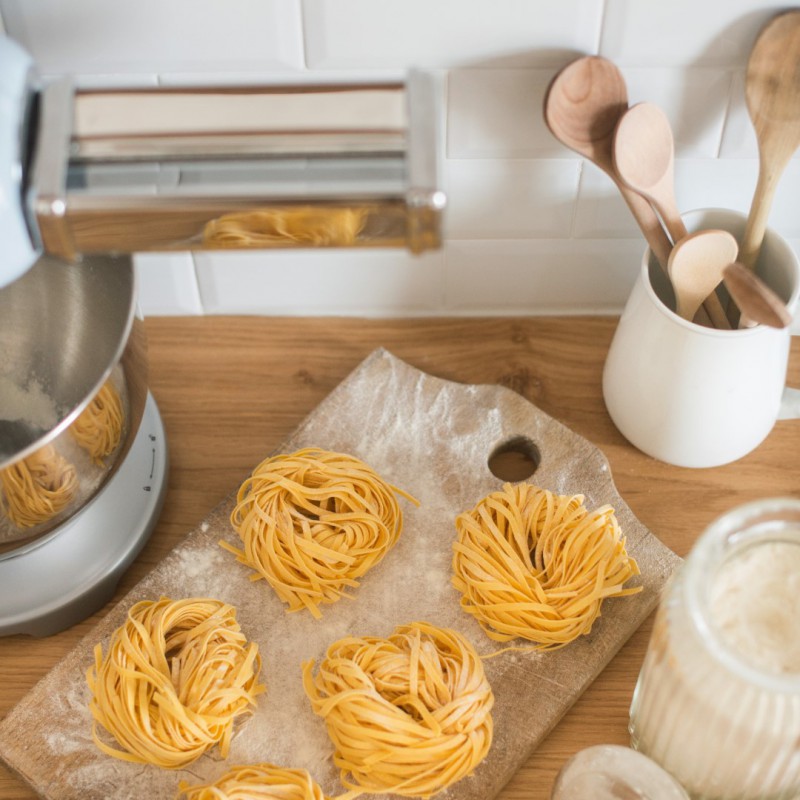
308 282
540 276
510 198
682 33
497 114
153 36
530 227
167 284
365 34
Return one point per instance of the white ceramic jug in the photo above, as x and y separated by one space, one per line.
687 394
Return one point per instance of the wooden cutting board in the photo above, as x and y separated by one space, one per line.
432 438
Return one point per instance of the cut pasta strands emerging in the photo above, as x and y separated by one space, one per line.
408 715
302 226
536 565
312 523
175 677
255 782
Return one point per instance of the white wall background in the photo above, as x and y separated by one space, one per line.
530 228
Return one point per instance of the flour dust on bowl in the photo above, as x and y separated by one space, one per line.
717 703
73 397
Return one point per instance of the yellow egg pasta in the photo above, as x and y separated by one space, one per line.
312 523
407 715
176 675
536 565
255 782
98 429
302 226
38 487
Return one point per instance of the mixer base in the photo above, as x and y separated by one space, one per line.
52 587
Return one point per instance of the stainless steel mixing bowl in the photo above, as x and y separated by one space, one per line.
70 339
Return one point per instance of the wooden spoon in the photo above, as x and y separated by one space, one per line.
772 91
696 264
582 106
758 302
644 158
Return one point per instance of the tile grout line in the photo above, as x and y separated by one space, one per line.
303 32
573 220
727 114
198 287
601 26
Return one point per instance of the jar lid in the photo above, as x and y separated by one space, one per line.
614 772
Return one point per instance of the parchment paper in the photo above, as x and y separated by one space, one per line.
432 438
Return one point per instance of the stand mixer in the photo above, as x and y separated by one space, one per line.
89 177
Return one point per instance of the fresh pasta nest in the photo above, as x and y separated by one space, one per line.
312 523
253 781
536 565
176 675
409 715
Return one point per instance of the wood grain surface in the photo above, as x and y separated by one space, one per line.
231 389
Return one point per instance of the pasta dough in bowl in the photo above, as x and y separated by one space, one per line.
73 387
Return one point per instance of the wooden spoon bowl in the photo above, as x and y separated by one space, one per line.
644 158
758 303
582 106
696 266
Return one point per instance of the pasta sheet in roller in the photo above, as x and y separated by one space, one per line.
433 438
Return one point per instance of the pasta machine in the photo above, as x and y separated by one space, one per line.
88 177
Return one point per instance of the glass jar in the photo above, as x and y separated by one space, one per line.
717 703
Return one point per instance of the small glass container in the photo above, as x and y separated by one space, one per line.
613 772
717 703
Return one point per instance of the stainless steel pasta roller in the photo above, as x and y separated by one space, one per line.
89 177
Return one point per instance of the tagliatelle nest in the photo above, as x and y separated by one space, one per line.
176 675
254 781
536 565
312 523
408 715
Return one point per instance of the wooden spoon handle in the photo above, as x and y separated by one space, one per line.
648 222
672 220
768 177
716 312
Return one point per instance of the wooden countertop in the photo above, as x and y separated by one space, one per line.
230 389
